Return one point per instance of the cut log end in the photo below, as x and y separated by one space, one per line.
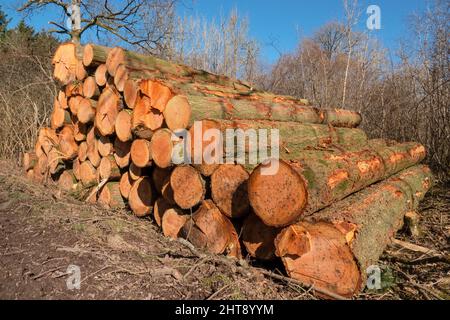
140 197
172 222
188 186
123 126
177 113
161 148
259 239
141 153
125 185
302 246
277 193
229 190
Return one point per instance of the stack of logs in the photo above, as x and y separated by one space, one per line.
327 212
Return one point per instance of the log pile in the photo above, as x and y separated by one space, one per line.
327 212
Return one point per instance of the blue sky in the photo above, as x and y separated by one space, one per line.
277 22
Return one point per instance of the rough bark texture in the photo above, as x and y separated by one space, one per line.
350 235
318 179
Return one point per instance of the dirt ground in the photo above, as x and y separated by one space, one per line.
123 257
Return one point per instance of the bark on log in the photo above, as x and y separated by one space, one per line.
229 190
95 55
141 197
187 186
211 230
334 248
318 179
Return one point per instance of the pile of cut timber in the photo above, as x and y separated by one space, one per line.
327 212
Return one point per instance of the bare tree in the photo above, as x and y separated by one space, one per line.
142 23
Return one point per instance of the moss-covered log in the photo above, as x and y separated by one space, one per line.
319 178
333 249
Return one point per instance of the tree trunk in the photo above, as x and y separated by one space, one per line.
187 186
140 197
211 230
229 190
318 179
333 249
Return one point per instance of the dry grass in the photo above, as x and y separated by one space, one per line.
125 257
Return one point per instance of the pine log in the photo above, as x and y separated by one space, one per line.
318 179
123 125
177 113
29 160
80 131
88 173
160 208
105 146
161 148
125 184
110 197
122 153
59 116
95 55
62 99
161 179
65 62
80 71
158 93
258 238
108 169
48 139
135 172
67 181
76 168
92 148
187 186
333 249
74 104
211 230
145 116
73 89
172 222
141 197
229 190
86 110
67 143
108 108
131 92
101 75
141 153
55 162
90 88
82 151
